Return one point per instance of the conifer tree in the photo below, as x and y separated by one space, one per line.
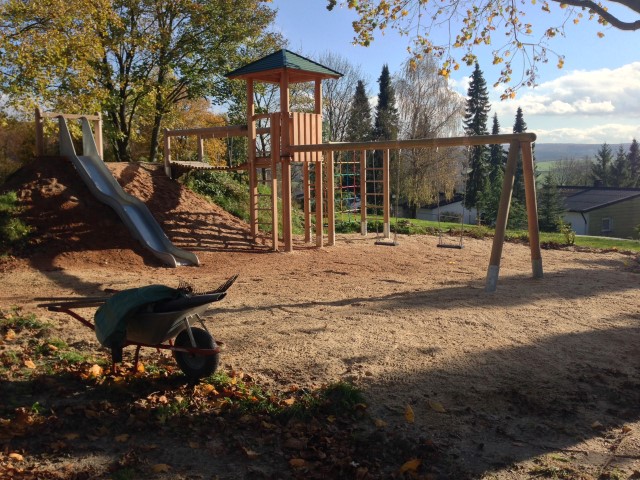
497 163
519 126
386 119
497 156
620 169
475 123
633 160
359 124
601 168
550 205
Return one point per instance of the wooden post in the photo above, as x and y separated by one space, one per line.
532 208
39 133
306 189
287 228
167 153
503 215
319 204
251 161
363 192
331 200
200 148
274 123
385 195
97 127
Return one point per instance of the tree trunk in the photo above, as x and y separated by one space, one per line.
155 136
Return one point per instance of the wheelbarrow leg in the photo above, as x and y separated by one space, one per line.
137 359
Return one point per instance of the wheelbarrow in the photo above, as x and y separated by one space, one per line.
156 316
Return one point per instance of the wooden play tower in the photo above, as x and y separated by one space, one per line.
286 128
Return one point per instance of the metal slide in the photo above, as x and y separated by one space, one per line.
135 214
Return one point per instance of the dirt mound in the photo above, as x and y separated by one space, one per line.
71 223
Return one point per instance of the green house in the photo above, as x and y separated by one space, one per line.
602 211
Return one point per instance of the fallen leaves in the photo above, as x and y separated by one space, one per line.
409 416
161 468
437 406
16 457
29 364
410 465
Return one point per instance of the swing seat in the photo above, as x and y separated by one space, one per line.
450 245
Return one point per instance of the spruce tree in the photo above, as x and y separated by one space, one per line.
386 122
519 126
601 168
550 205
497 156
497 163
386 119
359 123
620 169
475 122
633 160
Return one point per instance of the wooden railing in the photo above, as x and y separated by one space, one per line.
40 116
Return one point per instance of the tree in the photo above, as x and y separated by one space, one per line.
572 171
475 122
497 156
386 116
550 205
427 108
472 24
359 122
634 163
497 163
519 126
601 167
338 94
135 60
620 169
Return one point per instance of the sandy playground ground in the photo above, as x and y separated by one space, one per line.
543 373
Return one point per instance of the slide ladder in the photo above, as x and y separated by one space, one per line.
131 210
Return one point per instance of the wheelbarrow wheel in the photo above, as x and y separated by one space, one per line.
194 365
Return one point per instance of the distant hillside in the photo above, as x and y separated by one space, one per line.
549 152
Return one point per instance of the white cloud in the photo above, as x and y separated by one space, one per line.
610 133
604 92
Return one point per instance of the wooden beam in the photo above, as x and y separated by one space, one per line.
331 203
274 124
213 132
39 133
167 154
532 208
363 192
386 228
251 156
319 204
503 215
285 156
417 143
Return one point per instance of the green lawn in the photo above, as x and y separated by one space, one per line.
351 223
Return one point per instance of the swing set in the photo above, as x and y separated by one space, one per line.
295 138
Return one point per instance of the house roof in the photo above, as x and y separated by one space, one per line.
270 68
586 199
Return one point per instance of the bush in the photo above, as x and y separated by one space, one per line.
226 190
568 234
13 231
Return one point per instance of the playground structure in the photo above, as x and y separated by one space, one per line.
296 138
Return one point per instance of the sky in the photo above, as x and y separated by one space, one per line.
594 98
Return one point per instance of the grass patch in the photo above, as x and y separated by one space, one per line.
17 321
13 231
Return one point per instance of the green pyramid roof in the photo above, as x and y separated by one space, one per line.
270 68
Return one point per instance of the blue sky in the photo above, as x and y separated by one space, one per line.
595 98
